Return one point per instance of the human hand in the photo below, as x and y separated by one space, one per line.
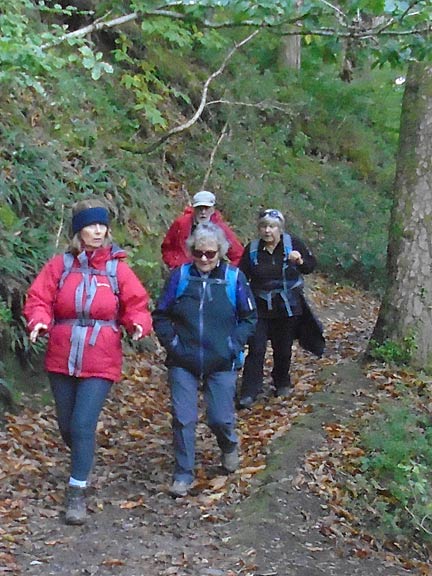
39 327
295 257
138 332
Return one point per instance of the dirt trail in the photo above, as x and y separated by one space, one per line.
136 529
281 522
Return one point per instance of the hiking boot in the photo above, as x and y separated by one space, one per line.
178 489
76 511
283 392
231 460
245 402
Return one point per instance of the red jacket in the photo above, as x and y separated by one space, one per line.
174 251
50 304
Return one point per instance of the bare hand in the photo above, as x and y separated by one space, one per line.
295 257
138 332
39 327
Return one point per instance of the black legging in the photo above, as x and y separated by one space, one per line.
281 332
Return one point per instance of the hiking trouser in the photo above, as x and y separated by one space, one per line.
219 393
281 333
79 402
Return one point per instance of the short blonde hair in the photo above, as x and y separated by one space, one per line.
75 245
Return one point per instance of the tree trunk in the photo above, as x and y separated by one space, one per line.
291 52
406 312
291 47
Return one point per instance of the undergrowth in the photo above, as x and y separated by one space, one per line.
320 150
391 490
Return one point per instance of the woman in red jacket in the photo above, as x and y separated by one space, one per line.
80 299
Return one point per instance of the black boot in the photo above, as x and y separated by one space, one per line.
76 511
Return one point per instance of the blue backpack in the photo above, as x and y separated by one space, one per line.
230 281
288 285
253 249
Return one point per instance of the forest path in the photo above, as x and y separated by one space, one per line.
260 521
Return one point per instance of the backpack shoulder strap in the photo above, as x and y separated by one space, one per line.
183 279
231 275
287 242
253 248
68 260
111 270
253 252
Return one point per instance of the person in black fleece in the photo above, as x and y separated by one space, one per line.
274 265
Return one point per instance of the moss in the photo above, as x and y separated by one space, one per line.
8 218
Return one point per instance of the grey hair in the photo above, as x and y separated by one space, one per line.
209 231
272 216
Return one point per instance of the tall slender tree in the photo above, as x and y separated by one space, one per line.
405 317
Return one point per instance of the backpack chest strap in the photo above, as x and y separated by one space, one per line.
84 295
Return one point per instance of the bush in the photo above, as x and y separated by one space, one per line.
390 352
395 490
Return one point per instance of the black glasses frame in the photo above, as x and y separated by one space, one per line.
209 254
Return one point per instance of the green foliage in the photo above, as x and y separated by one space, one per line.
147 267
33 35
93 62
394 486
27 31
320 150
390 352
5 313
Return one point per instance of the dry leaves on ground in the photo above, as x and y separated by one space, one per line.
134 434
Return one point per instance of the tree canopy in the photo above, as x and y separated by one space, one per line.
392 32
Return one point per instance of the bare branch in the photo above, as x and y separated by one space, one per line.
408 10
421 523
202 104
59 231
99 25
391 21
213 155
279 27
259 105
102 23
336 9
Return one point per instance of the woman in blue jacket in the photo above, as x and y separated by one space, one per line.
203 319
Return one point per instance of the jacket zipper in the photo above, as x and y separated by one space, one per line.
201 327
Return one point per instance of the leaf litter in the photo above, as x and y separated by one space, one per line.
134 462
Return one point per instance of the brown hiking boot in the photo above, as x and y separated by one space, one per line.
76 511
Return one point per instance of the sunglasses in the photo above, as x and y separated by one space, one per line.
271 214
209 254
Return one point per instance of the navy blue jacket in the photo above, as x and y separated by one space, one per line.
201 330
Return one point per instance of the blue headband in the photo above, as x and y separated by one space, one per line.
89 216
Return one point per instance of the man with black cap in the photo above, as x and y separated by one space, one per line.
174 251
